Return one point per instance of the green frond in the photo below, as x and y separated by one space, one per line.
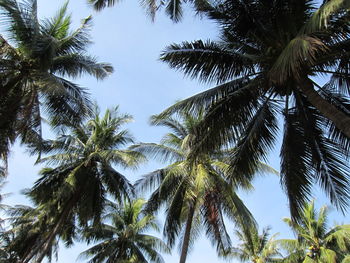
76 42
292 59
217 129
174 10
255 142
22 22
327 159
98 5
208 61
161 152
321 17
296 178
58 26
75 65
328 255
173 221
175 125
151 7
340 235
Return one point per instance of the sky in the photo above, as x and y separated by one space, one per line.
142 85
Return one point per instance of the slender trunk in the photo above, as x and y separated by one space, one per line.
339 118
186 240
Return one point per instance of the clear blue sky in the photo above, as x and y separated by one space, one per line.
143 86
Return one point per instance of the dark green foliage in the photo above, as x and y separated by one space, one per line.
196 193
73 192
315 242
28 227
122 236
173 8
265 63
36 59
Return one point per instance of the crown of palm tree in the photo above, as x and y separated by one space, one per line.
254 247
125 238
196 194
36 58
74 191
315 241
265 63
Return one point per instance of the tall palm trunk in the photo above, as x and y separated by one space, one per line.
186 240
339 118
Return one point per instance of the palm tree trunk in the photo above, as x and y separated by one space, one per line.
339 118
186 240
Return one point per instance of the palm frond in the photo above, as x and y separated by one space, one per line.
296 178
321 18
255 142
174 10
75 65
98 5
207 61
161 152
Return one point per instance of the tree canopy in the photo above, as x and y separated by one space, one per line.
265 69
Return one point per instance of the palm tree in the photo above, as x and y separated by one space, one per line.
28 227
255 247
196 193
265 70
74 191
36 58
125 238
315 241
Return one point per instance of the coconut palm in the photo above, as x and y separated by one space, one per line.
123 236
196 194
315 241
255 247
74 189
36 59
28 227
267 71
